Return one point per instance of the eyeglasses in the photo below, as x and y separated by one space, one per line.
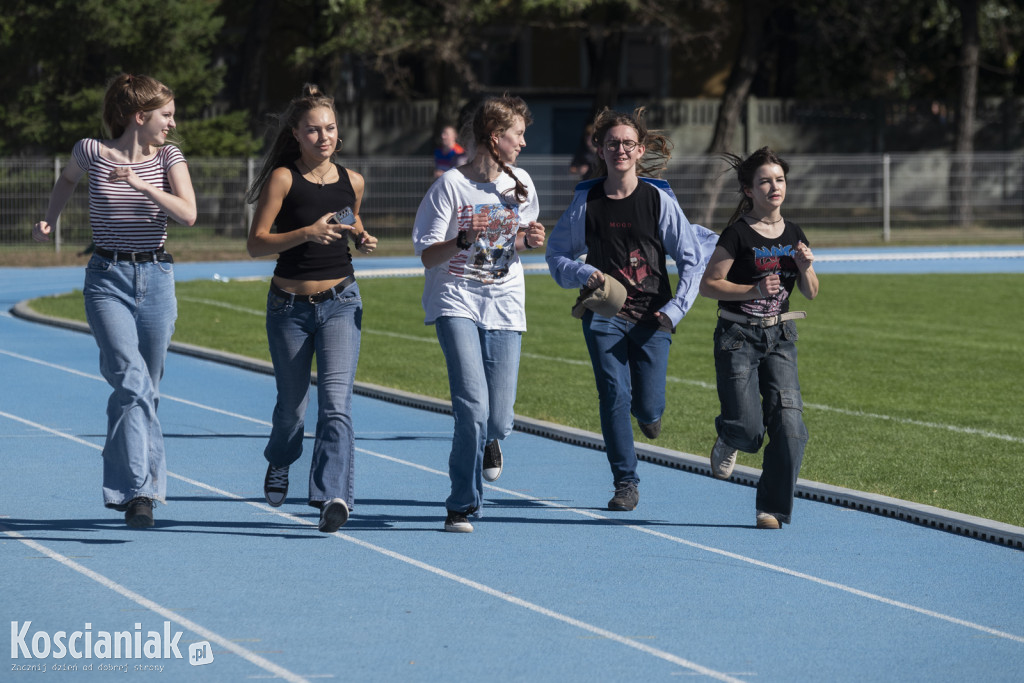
627 145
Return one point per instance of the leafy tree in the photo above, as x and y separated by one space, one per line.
59 56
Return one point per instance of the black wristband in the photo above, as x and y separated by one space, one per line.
526 241
461 241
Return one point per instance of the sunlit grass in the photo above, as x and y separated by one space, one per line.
913 384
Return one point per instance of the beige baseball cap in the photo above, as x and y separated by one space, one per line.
606 300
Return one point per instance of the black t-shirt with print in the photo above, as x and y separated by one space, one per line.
623 241
756 257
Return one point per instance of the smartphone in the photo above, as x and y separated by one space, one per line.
345 217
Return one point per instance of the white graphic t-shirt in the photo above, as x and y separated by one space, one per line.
485 282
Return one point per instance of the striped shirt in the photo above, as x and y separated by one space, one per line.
123 218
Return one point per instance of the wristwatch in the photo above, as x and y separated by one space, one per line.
462 241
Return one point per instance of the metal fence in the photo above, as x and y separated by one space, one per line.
855 197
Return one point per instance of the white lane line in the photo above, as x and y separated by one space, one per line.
676 539
284 673
724 553
142 601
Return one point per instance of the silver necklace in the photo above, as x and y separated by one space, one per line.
319 178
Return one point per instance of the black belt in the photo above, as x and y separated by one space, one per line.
160 256
317 298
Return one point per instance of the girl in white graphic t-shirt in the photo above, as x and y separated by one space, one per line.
469 230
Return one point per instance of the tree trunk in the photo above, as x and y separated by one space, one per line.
961 170
734 99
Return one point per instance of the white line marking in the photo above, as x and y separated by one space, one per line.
143 601
585 513
284 673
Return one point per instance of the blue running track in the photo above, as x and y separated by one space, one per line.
550 586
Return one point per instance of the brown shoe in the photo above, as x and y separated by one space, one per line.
766 520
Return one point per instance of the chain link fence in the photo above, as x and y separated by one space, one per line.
845 198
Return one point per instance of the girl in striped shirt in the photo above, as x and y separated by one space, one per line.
136 182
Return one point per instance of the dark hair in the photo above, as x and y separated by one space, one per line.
658 146
494 116
285 147
128 94
745 170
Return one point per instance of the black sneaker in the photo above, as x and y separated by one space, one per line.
651 430
139 514
626 497
492 460
457 522
275 485
333 515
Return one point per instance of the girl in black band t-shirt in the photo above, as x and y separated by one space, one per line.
755 258
760 259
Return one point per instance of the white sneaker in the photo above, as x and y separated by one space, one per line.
723 459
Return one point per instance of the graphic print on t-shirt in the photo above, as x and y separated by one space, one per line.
492 254
777 259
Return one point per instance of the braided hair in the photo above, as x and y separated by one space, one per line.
493 117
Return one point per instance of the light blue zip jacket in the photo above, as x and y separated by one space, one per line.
689 245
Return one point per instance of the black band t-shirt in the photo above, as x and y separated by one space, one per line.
623 241
756 257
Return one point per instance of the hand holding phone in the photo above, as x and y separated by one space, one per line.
343 217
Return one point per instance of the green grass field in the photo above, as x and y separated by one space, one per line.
913 384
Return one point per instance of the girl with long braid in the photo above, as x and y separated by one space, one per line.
469 230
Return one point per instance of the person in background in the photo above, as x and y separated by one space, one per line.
313 306
584 160
760 259
449 153
468 232
628 225
136 182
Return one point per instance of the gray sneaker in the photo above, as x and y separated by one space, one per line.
275 485
333 515
626 497
458 523
723 459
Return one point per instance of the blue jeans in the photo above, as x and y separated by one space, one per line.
131 310
630 365
296 331
483 370
759 391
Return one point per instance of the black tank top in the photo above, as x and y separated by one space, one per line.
304 204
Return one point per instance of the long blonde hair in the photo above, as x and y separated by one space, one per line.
285 148
658 147
493 117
